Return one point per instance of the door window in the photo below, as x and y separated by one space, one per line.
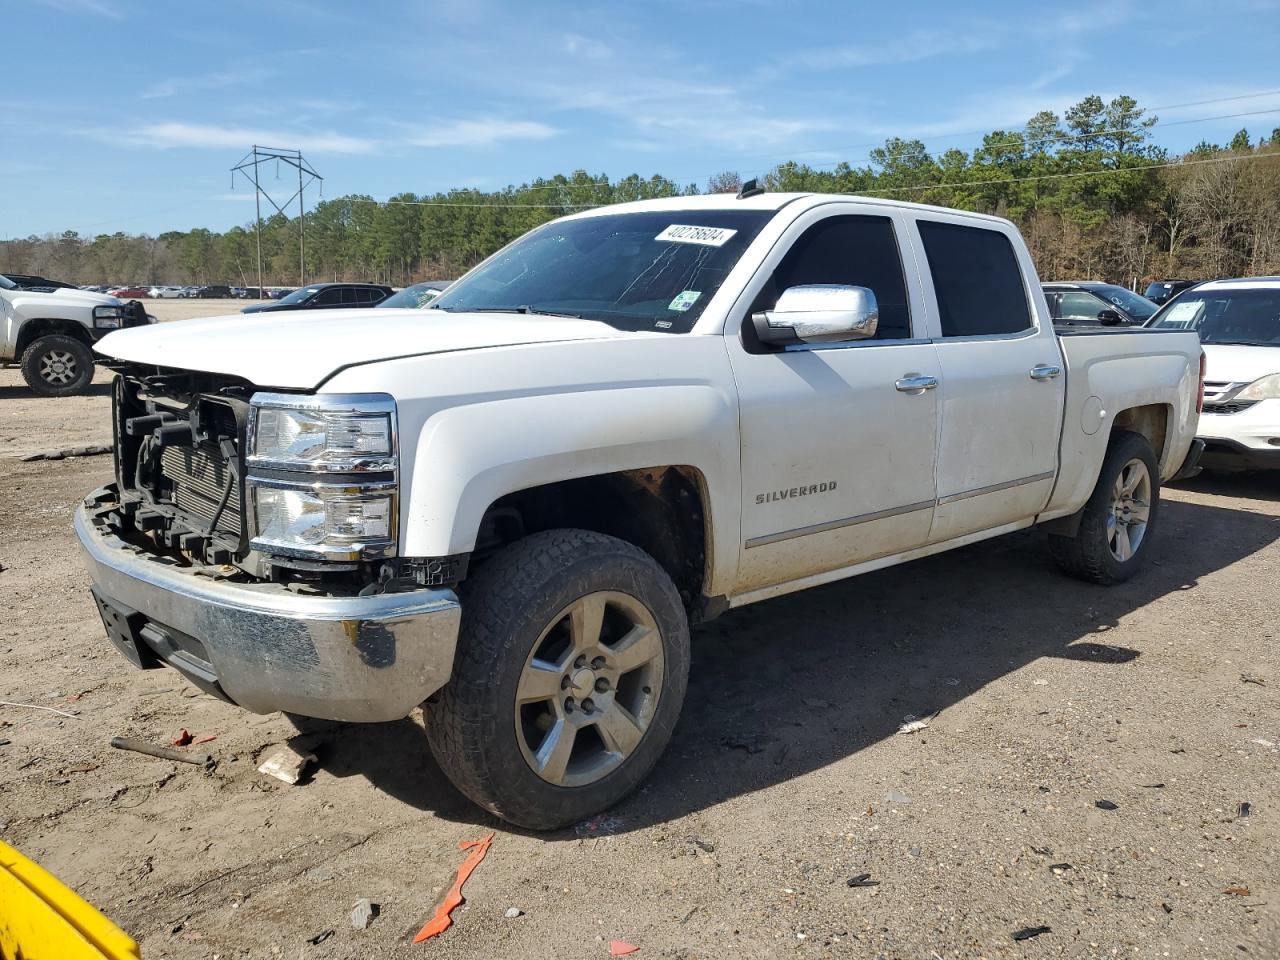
976 279
1082 306
332 297
852 250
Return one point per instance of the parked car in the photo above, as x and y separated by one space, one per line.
325 296
132 293
26 281
215 291
165 293
52 333
628 420
1092 303
417 295
1161 291
1239 326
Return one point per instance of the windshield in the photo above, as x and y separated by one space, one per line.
7 284
636 271
418 295
1249 317
1137 307
299 295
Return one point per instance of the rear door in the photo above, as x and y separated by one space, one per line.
1001 391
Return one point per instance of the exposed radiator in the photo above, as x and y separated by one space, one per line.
199 476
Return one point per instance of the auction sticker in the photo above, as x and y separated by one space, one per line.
684 300
706 236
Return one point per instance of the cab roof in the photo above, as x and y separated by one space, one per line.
767 201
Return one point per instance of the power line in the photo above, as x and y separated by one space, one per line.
1077 173
1011 141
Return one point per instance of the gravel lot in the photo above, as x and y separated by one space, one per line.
786 776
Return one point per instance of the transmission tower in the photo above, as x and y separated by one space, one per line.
248 166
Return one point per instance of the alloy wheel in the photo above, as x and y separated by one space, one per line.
1130 510
589 689
58 367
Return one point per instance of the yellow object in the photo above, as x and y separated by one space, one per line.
40 919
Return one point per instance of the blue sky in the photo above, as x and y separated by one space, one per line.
128 114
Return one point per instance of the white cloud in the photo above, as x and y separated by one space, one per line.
480 133
99 7
920 45
212 81
579 46
171 135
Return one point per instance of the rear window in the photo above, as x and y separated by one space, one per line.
976 278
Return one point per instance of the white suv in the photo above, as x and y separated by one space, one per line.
1239 326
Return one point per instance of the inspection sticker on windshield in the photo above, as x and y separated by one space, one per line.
684 300
706 236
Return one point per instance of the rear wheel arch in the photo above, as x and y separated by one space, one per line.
1149 420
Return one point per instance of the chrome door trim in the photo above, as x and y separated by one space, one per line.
838 524
995 488
1045 371
915 383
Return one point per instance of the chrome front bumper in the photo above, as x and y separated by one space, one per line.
266 648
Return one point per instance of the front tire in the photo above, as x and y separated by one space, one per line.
57 366
572 664
1115 528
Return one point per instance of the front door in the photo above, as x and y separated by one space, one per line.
838 440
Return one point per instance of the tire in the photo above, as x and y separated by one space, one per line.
57 366
1111 542
520 637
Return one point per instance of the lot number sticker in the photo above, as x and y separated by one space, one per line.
705 236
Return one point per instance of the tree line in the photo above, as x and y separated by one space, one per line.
1093 192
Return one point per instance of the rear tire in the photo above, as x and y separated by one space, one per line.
1116 526
57 366
572 664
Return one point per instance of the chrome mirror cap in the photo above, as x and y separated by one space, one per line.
819 313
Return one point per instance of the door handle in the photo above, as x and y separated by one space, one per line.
1045 371
915 383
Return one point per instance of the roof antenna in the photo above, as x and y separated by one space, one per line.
751 188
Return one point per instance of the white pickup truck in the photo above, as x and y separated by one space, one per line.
51 333
510 506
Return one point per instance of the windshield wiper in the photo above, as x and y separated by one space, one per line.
525 309
1241 343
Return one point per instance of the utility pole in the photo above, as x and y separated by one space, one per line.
248 166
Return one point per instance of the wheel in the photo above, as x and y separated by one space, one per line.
572 663
1118 519
57 366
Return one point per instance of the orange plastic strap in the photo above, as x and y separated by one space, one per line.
442 921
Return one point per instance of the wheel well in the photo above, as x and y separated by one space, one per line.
33 330
1152 421
658 509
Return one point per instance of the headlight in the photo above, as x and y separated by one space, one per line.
334 522
1264 388
108 317
322 475
334 434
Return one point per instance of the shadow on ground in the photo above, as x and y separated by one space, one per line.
791 685
23 392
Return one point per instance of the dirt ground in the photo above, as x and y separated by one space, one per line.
786 776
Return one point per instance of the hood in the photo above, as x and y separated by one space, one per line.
1226 363
64 295
299 349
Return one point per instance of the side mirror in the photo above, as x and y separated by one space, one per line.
819 313
1110 318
